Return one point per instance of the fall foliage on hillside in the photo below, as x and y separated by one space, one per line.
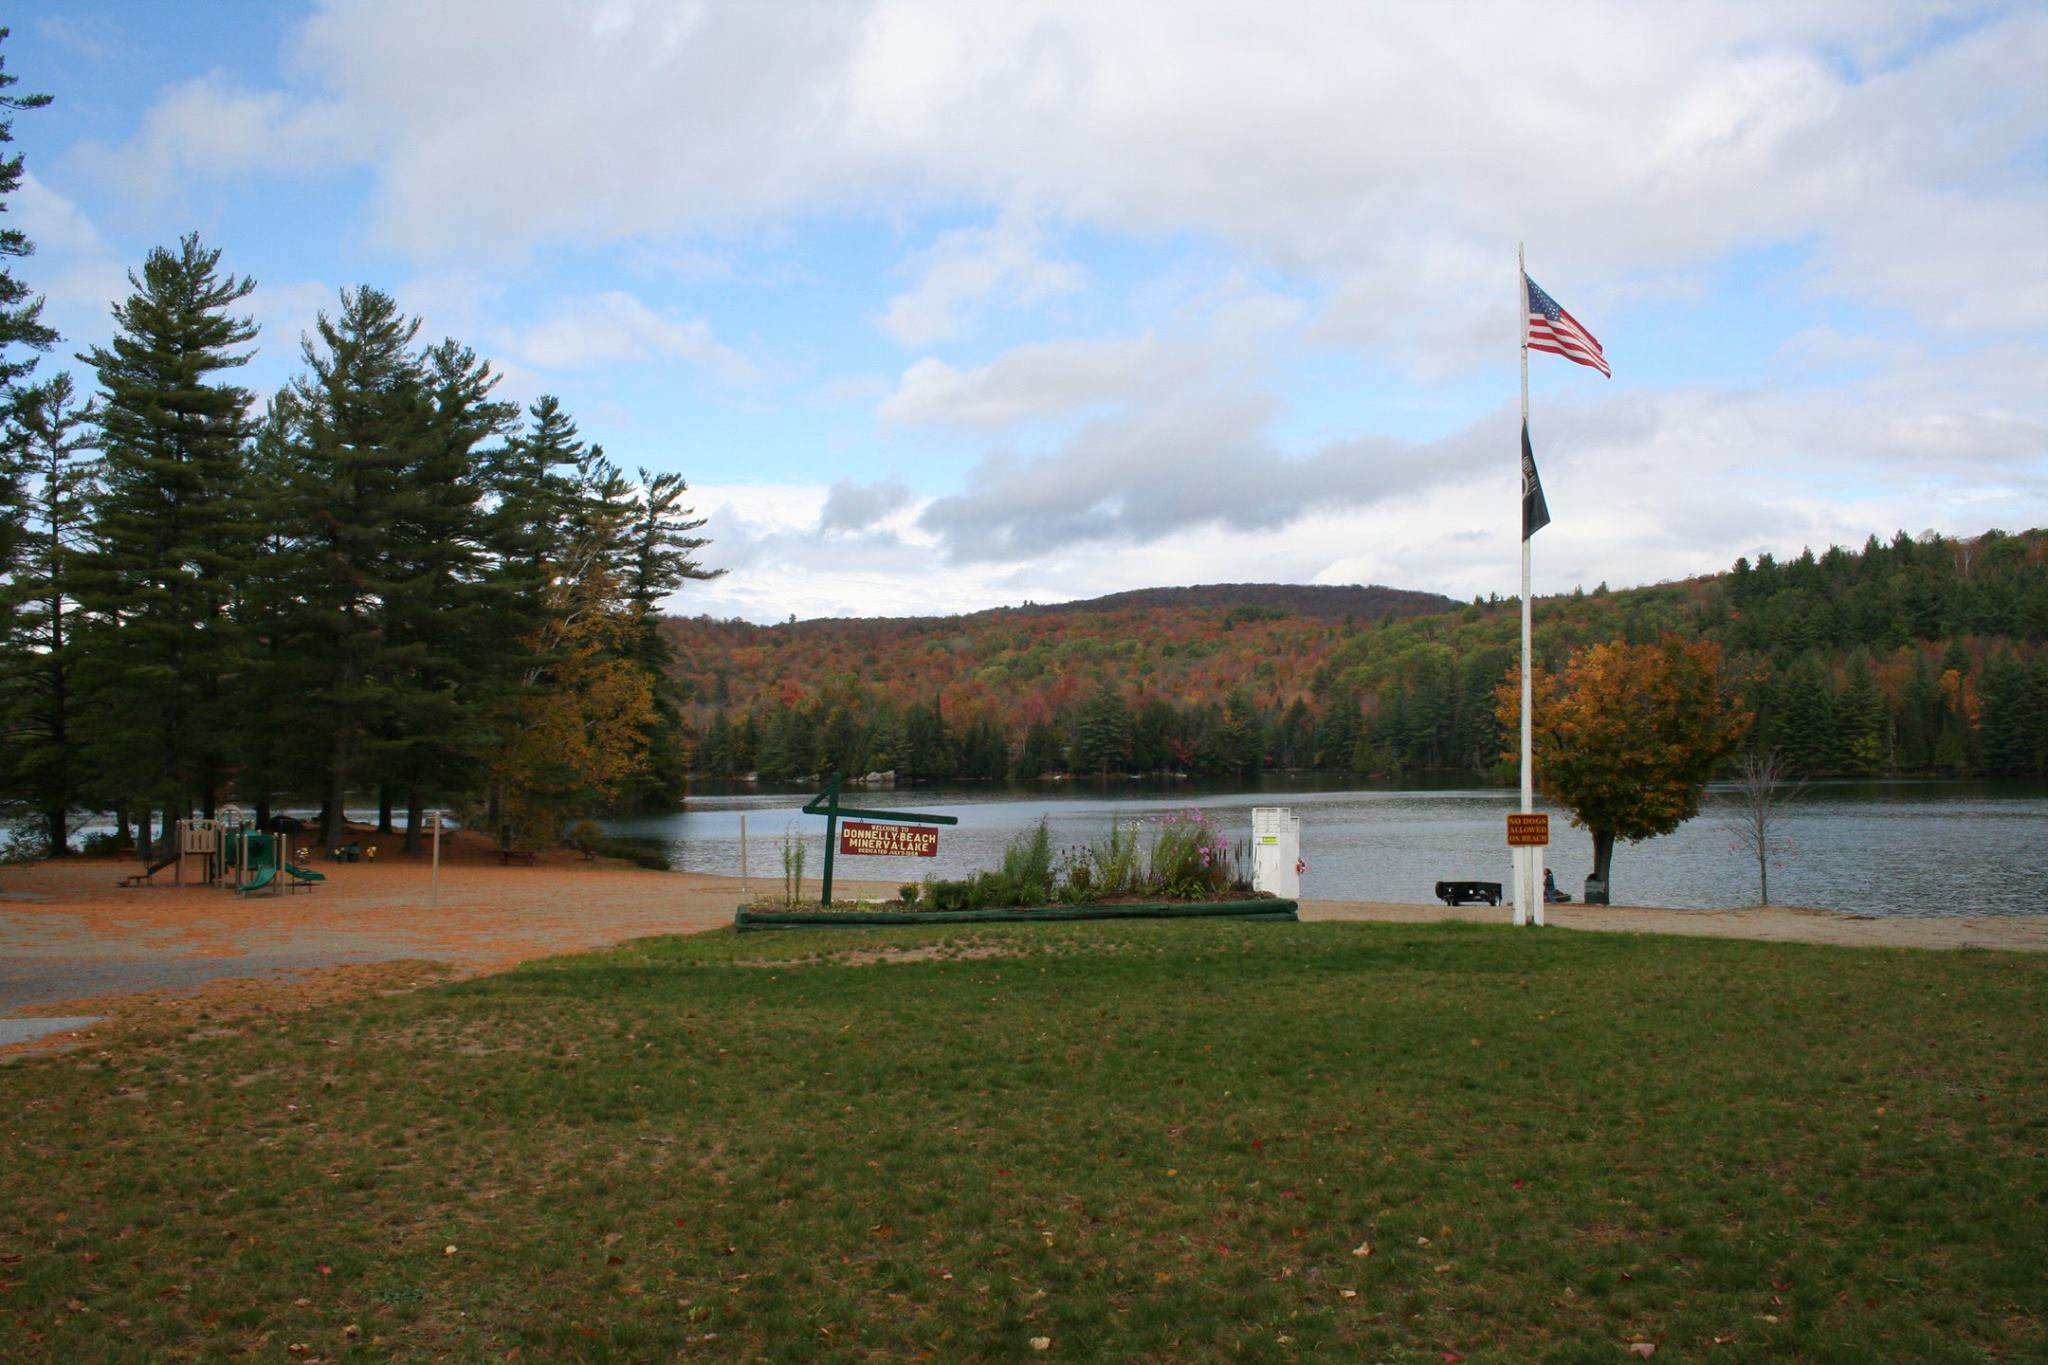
1922 654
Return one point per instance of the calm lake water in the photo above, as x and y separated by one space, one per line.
1880 848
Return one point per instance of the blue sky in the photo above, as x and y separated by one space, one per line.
941 306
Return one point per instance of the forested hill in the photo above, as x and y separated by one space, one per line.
1913 655
1325 601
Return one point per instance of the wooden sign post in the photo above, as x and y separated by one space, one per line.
861 838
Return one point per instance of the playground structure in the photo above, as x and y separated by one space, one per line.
209 852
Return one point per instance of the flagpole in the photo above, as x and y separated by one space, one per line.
1526 894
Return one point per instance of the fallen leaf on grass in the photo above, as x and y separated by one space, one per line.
1347 1293
1642 1348
1362 1249
1041 1343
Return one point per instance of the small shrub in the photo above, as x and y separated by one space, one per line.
1190 858
949 895
105 844
1073 876
1114 865
907 893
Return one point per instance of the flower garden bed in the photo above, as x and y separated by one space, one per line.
750 919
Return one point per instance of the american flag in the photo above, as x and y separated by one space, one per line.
1558 332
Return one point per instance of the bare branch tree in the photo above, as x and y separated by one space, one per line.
1763 788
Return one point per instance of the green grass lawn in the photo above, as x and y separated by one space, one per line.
1163 1141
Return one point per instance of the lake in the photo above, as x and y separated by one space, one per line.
1928 848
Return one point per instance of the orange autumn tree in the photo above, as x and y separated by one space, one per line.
576 731
1627 739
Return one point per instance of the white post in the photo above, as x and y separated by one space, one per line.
435 902
743 854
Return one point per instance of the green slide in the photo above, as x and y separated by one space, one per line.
305 874
259 881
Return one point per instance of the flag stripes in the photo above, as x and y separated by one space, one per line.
1558 332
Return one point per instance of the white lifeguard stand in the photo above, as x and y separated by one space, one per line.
1276 851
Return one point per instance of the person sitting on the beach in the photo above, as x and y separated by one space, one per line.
1551 895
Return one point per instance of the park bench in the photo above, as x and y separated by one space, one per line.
1468 893
508 856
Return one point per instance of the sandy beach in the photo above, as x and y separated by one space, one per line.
74 944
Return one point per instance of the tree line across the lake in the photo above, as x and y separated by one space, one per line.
383 578
1914 655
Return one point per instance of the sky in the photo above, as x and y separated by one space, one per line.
942 305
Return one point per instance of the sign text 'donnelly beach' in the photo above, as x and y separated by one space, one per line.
893 841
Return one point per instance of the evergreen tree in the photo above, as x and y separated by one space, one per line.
170 531
1859 720
2009 722
440 644
1337 737
46 437
1243 733
21 317
661 548
1041 753
1804 726
363 427
1152 732
1102 733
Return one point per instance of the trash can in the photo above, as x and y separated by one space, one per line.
1596 891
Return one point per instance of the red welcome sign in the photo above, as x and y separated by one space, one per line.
888 841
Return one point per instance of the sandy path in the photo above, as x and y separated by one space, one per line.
72 943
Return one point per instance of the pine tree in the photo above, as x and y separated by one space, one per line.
21 317
170 530
661 548
439 641
362 425
2008 717
46 436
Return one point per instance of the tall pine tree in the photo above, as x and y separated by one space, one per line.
46 439
21 316
169 530
362 423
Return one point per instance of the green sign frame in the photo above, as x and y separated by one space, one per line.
826 803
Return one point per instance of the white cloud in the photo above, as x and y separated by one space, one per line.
615 328
969 267
1390 153
210 127
1044 379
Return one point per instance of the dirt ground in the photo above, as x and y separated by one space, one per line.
73 943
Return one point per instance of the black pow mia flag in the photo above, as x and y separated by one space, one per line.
1535 512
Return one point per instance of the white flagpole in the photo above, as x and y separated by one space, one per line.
1528 895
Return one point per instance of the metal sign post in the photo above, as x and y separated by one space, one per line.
826 803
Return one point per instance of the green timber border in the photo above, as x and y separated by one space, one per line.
748 920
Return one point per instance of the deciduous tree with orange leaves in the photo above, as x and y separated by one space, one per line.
1628 737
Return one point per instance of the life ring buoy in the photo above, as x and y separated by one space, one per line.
1300 866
